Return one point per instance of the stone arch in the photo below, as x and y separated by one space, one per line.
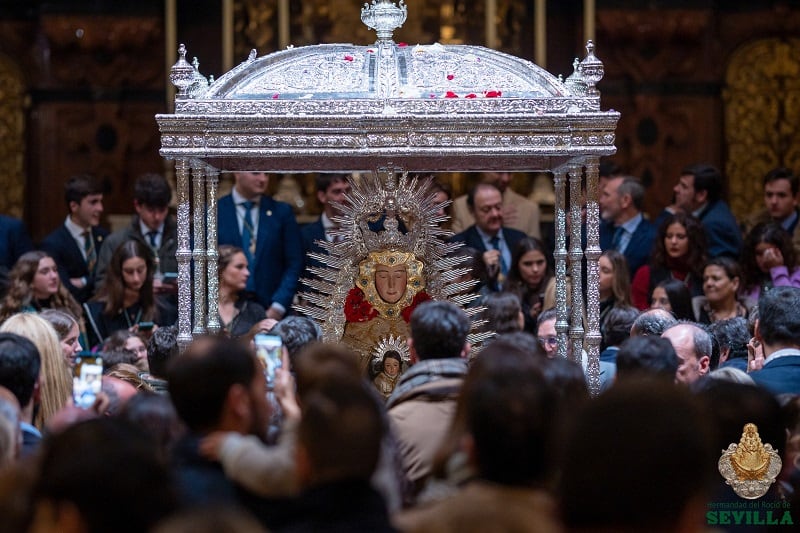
762 117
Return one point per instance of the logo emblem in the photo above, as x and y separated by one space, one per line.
750 467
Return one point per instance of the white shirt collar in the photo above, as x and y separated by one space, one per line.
75 230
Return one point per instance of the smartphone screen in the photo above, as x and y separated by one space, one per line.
146 326
269 349
87 375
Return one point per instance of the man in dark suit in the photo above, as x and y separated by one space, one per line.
268 233
487 235
699 192
75 244
624 228
778 330
14 241
330 188
19 373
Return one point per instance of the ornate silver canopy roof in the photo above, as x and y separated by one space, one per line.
344 107
423 107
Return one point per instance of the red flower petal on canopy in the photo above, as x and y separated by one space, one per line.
450 94
450 76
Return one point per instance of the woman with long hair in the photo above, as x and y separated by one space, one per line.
769 260
55 378
33 285
673 296
614 282
126 300
531 279
721 280
679 253
239 313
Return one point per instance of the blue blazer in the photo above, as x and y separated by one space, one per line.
279 248
64 250
312 233
639 248
780 376
14 241
723 236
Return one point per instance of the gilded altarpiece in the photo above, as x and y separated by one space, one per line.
762 117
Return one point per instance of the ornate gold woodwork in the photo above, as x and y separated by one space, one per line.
762 117
12 138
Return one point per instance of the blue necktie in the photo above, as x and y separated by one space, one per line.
248 240
615 242
496 245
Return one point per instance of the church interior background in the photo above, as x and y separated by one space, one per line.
694 80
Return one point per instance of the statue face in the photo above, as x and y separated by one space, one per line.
390 282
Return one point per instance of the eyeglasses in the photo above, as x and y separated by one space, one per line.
548 341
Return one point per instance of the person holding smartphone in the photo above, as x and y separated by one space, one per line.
126 300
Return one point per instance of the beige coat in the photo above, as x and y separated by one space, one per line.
518 213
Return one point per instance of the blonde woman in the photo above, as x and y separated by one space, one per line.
55 379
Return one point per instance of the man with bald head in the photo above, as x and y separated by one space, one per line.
693 346
519 213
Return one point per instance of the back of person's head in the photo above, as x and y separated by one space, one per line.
152 190
75 471
118 356
779 316
706 178
503 312
652 322
644 443
732 336
340 432
161 349
19 366
79 187
511 418
617 325
296 332
322 362
647 356
10 437
783 173
200 379
439 330
155 415
519 340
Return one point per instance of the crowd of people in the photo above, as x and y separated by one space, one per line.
700 324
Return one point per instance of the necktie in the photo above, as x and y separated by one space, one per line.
88 248
151 237
503 265
248 237
615 242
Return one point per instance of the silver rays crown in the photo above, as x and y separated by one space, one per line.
387 210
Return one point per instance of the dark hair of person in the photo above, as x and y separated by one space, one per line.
225 254
732 335
324 180
200 378
729 266
511 413
608 169
20 294
439 330
546 315
391 354
783 173
770 233
706 178
319 363
515 284
77 462
779 316
647 356
155 415
680 299
116 356
296 332
695 259
653 322
79 187
162 348
502 312
113 290
341 431
117 340
519 340
607 459
19 366
474 191
617 324
152 190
